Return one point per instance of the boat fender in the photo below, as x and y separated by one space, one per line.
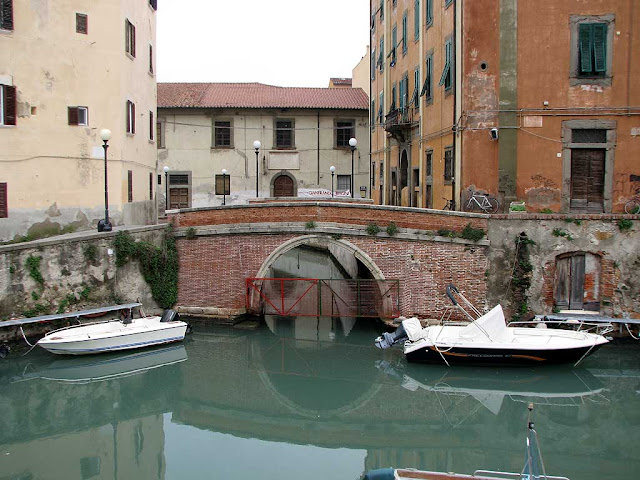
380 474
170 316
4 350
387 339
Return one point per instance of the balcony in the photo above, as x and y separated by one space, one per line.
399 122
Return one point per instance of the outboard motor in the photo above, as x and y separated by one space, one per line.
387 339
170 316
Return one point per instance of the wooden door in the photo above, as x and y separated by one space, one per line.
570 282
283 186
587 180
178 198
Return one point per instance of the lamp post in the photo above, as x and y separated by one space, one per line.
165 169
332 169
224 186
104 225
352 143
257 146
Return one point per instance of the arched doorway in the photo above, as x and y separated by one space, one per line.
283 186
404 179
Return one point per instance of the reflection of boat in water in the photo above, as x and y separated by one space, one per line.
105 367
533 468
551 385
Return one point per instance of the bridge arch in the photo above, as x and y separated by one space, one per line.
325 241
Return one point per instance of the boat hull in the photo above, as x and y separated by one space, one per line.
114 337
498 356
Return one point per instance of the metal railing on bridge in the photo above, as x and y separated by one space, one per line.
314 297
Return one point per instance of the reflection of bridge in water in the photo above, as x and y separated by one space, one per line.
323 387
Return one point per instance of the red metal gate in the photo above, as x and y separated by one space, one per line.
314 297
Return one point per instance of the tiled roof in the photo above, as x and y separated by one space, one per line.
257 95
341 81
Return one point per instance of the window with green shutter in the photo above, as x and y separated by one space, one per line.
381 55
446 79
404 33
592 49
427 87
429 12
416 19
415 97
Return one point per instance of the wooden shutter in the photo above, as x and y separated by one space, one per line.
563 269
4 210
129 185
599 47
133 117
150 125
585 47
6 22
133 40
576 301
150 185
9 100
72 115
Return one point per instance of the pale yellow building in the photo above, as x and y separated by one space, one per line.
67 70
205 128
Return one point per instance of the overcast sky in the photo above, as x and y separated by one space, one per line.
290 43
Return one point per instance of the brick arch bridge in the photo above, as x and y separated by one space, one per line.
220 247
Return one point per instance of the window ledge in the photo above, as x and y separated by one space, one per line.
131 57
220 147
600 81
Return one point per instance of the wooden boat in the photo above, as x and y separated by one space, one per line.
124 334
488 340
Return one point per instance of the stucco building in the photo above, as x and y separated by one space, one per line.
205 128
68 70
531 101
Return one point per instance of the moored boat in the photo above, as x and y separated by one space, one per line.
488 340
127 333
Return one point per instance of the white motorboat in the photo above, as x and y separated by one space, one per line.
127 333
489 340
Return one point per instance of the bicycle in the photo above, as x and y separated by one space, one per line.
633 205
484 202
450 205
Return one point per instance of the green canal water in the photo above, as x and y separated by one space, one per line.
308 399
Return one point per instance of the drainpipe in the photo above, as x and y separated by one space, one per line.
421 179
457 142
318 180
370 112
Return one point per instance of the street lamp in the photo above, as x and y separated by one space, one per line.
165 169
104 225
332 169
257 146
224 186
352 143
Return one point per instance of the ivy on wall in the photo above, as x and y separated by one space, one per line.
521 277
159 265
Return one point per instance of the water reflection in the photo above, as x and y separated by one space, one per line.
335 401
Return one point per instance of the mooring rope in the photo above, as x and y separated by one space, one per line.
629 330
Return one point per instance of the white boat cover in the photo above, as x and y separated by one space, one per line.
489 327
413 328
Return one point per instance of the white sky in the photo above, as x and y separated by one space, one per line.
289 43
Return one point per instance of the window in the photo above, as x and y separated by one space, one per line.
78 115
151 125
6 14
372 113
151 59
373 64
179 190
427 88
4 208
393 97
381 55
448 164
223 184
381 176
129 186
284 133
592 49
130 38
153 4
428 167
345 130
381 10
82 23
160 133
429 12
131 117
344 183
404 92
447 2
222 135
416 20
381 108
404 34
150 185
447 74
7 105
89 467
373 173
159 179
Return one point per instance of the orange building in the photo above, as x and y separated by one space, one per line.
530 101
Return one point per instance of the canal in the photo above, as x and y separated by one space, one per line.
308 398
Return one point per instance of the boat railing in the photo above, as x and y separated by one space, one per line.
515 476
578 325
